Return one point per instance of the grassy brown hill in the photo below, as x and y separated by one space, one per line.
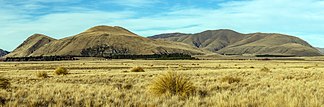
105 41
30 45
3 52
233 43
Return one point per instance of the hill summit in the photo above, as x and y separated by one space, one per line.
113 30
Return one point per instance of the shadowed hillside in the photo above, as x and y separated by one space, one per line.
229 42
101 41
3 52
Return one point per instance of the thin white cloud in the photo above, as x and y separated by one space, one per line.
303 18
134 3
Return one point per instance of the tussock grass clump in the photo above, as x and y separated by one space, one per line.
230 80
4 83
61 71
172 83
125 71
307 67
128 86
265 69
42 74
137 69
202 93
2 100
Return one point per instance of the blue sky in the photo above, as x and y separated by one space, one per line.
62 18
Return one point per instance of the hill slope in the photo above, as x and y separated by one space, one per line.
3 52
233 43
105 41
321 50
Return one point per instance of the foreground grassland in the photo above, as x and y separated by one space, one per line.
221 83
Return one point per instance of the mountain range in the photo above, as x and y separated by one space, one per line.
115 40
229 42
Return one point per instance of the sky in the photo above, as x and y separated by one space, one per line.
19 19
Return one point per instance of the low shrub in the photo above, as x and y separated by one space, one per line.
61 71
137 69
172 83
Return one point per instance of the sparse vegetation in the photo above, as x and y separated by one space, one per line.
42 74
137 69
61 71
172 83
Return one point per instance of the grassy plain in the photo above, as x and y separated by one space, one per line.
220 83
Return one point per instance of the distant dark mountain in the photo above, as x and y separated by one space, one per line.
3 52
167 35
229 42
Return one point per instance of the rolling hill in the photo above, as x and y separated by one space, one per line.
229 42
100 41
3 52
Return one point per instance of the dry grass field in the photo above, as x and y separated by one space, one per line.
217 83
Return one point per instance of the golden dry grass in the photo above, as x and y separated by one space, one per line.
102 83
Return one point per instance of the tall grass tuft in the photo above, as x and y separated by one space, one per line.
42 74
265 69
61 71
230 80
137 69
2 100
172 83
4 83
